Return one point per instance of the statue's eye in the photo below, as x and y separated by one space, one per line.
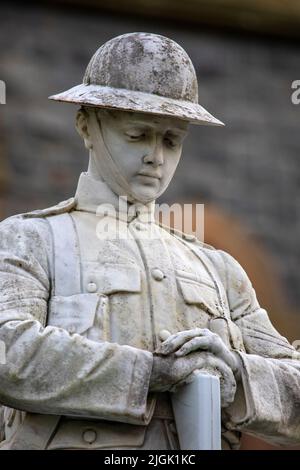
134 135
174 140
171 142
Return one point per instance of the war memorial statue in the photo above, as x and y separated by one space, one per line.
102 327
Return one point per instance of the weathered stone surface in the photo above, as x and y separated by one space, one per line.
250 168
84 308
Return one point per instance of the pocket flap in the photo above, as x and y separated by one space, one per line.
75 313
112 277
196 293
107 435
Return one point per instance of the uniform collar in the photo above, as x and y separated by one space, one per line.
96 197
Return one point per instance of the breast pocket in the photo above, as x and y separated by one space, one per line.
74 313
199 292
119 286
88 313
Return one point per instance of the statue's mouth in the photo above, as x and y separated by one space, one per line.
150 175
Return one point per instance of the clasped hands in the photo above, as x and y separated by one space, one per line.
182 355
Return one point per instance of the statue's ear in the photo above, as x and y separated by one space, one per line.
82 118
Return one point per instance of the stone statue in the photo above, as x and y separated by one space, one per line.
100 330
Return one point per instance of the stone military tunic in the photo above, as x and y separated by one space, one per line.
81 313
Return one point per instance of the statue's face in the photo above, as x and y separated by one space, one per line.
145 148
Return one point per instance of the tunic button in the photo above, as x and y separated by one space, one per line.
140 226
91 287
163 335
189 237
157 274
62 203
89 436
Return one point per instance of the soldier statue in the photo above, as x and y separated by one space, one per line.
101 329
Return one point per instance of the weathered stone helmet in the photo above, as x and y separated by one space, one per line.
141 72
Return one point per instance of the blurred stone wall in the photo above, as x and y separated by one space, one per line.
250 168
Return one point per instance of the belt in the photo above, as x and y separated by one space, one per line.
37 429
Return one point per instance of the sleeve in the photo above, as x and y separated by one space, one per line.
46 369
267 402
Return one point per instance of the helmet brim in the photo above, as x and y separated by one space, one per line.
136 101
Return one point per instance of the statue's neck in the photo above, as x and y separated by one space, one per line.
92 170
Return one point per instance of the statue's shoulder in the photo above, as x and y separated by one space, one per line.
223 263
60 208
30 225
217 258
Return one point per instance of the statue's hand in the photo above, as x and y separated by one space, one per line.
171 372
200 339
168 371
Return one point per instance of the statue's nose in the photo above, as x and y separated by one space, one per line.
156 156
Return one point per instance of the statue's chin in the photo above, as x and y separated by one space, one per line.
141 194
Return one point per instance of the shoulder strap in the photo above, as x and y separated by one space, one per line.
66 275
60 208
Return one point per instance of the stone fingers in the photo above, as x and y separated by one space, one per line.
195 344
174 342
185 344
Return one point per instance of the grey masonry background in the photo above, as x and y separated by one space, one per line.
250 168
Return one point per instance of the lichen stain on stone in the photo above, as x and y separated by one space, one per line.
141 72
